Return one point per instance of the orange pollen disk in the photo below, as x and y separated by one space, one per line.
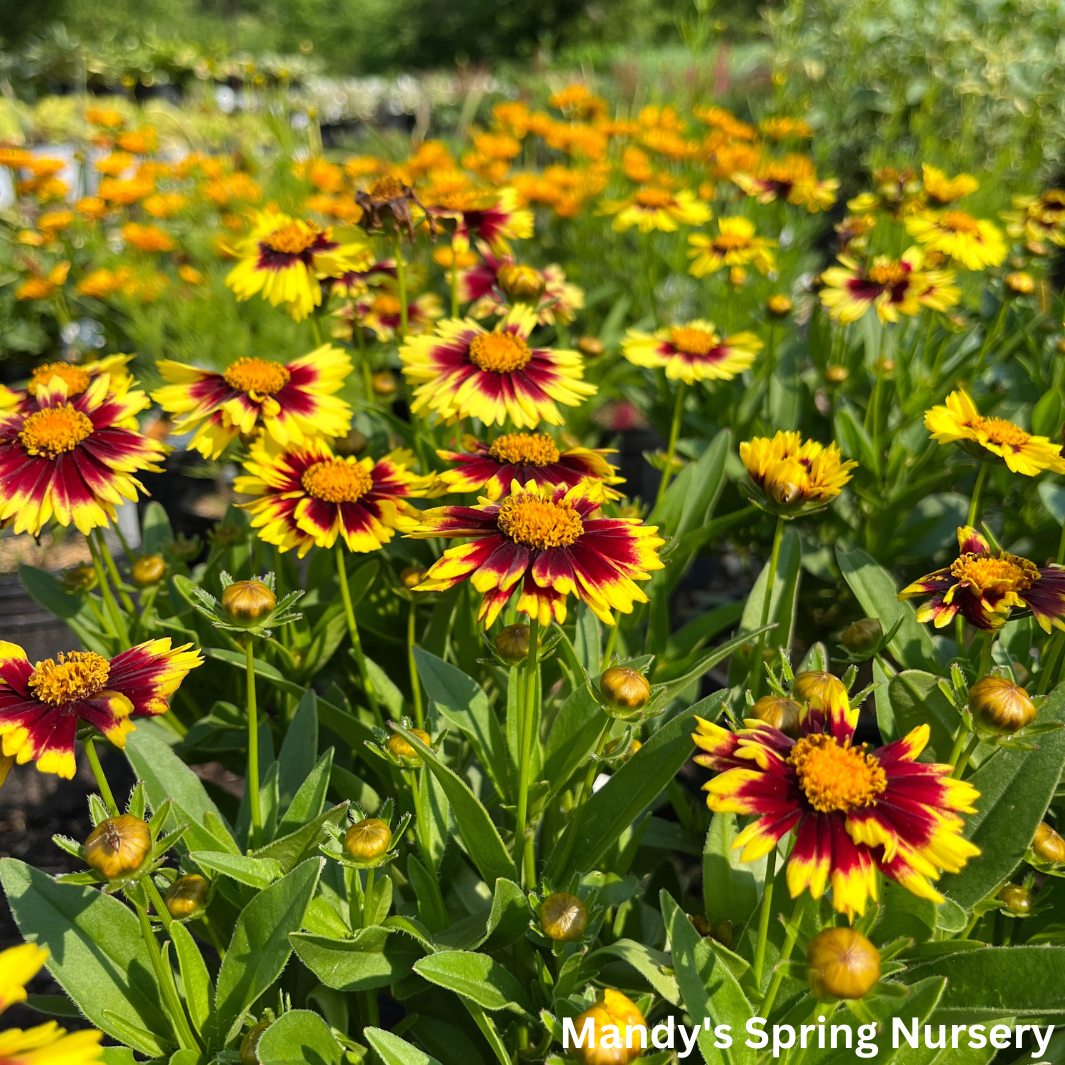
75 378
690 340
538 522
1002 431
77 675
524 449
257 375
986 572
337 481
656 198
959 222
384 189
888 274
726 242
499 352
386 306
52 431
835 777
292 238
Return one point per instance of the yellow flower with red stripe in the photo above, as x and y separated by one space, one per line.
973 242
286 258
292 401
545 543
736 244
41 705
652 207
72 459
692 352
306 496
76 376
853 811
463 371
793 178
793 476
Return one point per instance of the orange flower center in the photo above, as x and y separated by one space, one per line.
292 237
887 274
958 222
834 777
54 430
77 379
524 449
1002 431
692 340
257 375
386 306
499 352
1004 572
654 198
537 522
384 189
337 481
724 242
77 675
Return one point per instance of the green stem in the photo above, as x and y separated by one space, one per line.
1061 539
401 282
316 329
586 787
364 360
353 632
454 280
105 554
254 802
368 900
959 744
421 825
985 655
611 643
964 761
175 1010
1054 646
785 955
117 619
157 903
671 449
123 541
527 719
755 680
959 633
98 772
974 502
415 687
764 915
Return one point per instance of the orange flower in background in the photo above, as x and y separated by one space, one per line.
147 238
14 158
793 178
238 187
102 283
105 117
165 204
139 141
43 286
53 221
650 208
114 164
92 207
126 191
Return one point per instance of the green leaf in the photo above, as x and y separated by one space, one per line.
691 497
395 1051
45 589
1015 787
357 964
260 947
118 1056
354 789
299 1037
96 953
476 977
874 588
390 697
299 750
730 890
156 533
460 700
574 733
704 627
630 790
292 849
479 833
587 640
885 711
255 872
431 907
916 699
707 986
308 801
199 994
654 966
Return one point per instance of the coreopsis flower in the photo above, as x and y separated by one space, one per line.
998 440
462 371
546 544
165 204
380 311
52 222
307 496
780 129
892 286
692 352
48 1044
1038 218
791 476
494 215
793 178
101 283
852 810
613 1017
147 238
652 208
41 286
77 377
284 259
525 457
72 458
973 242
985 585
387 204
734 245
942 190
18 966
14 158
291 401
41 705
486 286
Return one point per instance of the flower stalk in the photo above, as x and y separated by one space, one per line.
528 718
755 680
254 798
353 632
671 447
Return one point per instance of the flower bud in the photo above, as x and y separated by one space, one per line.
184 549
1019 283
591 347
836 375
841 963
384 383
612 1008
1000 705
613 749
1048 845
148 569
118 845
521 283
354 443
820 691
411 576
512 643
399 748
778 306
624 691
563 917
80 578
862 635
1017 899
247 601
369 838
249 1045
782 714
226 535
187 896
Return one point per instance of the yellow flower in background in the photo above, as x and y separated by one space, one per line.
992 439
692 352
791 476
18 966
48 1044
793 178
652 208
973 242
40 287
943 190
734 245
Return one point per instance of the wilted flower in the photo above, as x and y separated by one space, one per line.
387 204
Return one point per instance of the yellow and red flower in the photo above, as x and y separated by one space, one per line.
306 496
985 585
998 440
72 458
285 259
942 190
793 178
491 214
525 457
973 242
461 371
380 311
291 401
41 705
76 376
852 810
653 207
545 543
692 352
734 245
791 475
480 285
